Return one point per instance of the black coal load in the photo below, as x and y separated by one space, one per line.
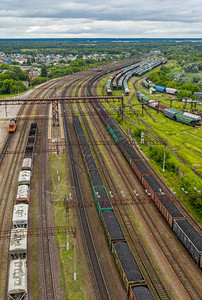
118 134
77 125
128 262
125 146
32 132
142 292
33 126
112 125
95 178
140 166
90 163
153 184
86 150
83 140
79 130
190 233
102 197
113 226
170 206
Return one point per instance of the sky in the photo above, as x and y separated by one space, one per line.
101 19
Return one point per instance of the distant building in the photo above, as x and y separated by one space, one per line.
155 52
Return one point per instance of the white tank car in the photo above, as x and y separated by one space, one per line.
24 177
198 118
18 243
153 103
20 216
23 194
17 283
27 164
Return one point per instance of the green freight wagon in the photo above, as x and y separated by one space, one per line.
185 120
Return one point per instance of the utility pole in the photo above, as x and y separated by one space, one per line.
164 158
121 107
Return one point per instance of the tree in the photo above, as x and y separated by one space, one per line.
44 71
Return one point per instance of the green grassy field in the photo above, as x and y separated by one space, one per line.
72 289
184 144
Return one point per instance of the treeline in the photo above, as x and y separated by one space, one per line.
11 79
164 77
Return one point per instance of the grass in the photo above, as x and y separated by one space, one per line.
186 146
72 289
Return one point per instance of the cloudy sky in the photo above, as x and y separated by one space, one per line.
100 18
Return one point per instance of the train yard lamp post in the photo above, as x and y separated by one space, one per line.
74 240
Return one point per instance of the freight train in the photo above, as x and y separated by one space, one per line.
17 277
171 113
127 265
121 78
167 90
186 233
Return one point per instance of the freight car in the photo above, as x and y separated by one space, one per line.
166 206
190 238
127 264
17 278
171 113
23 194
140 292
20 216
17 283
18 243
12 125
124 258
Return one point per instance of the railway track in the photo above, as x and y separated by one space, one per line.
154 278
101 290
175 265
10 179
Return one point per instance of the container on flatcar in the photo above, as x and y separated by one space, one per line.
27 164
112 228
190 238
12 125
168 209
18 243
23 194
17 281
127 264
24 177
140 292
20 216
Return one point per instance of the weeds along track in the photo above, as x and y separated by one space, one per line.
182 160
101 291
129 227
132 233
